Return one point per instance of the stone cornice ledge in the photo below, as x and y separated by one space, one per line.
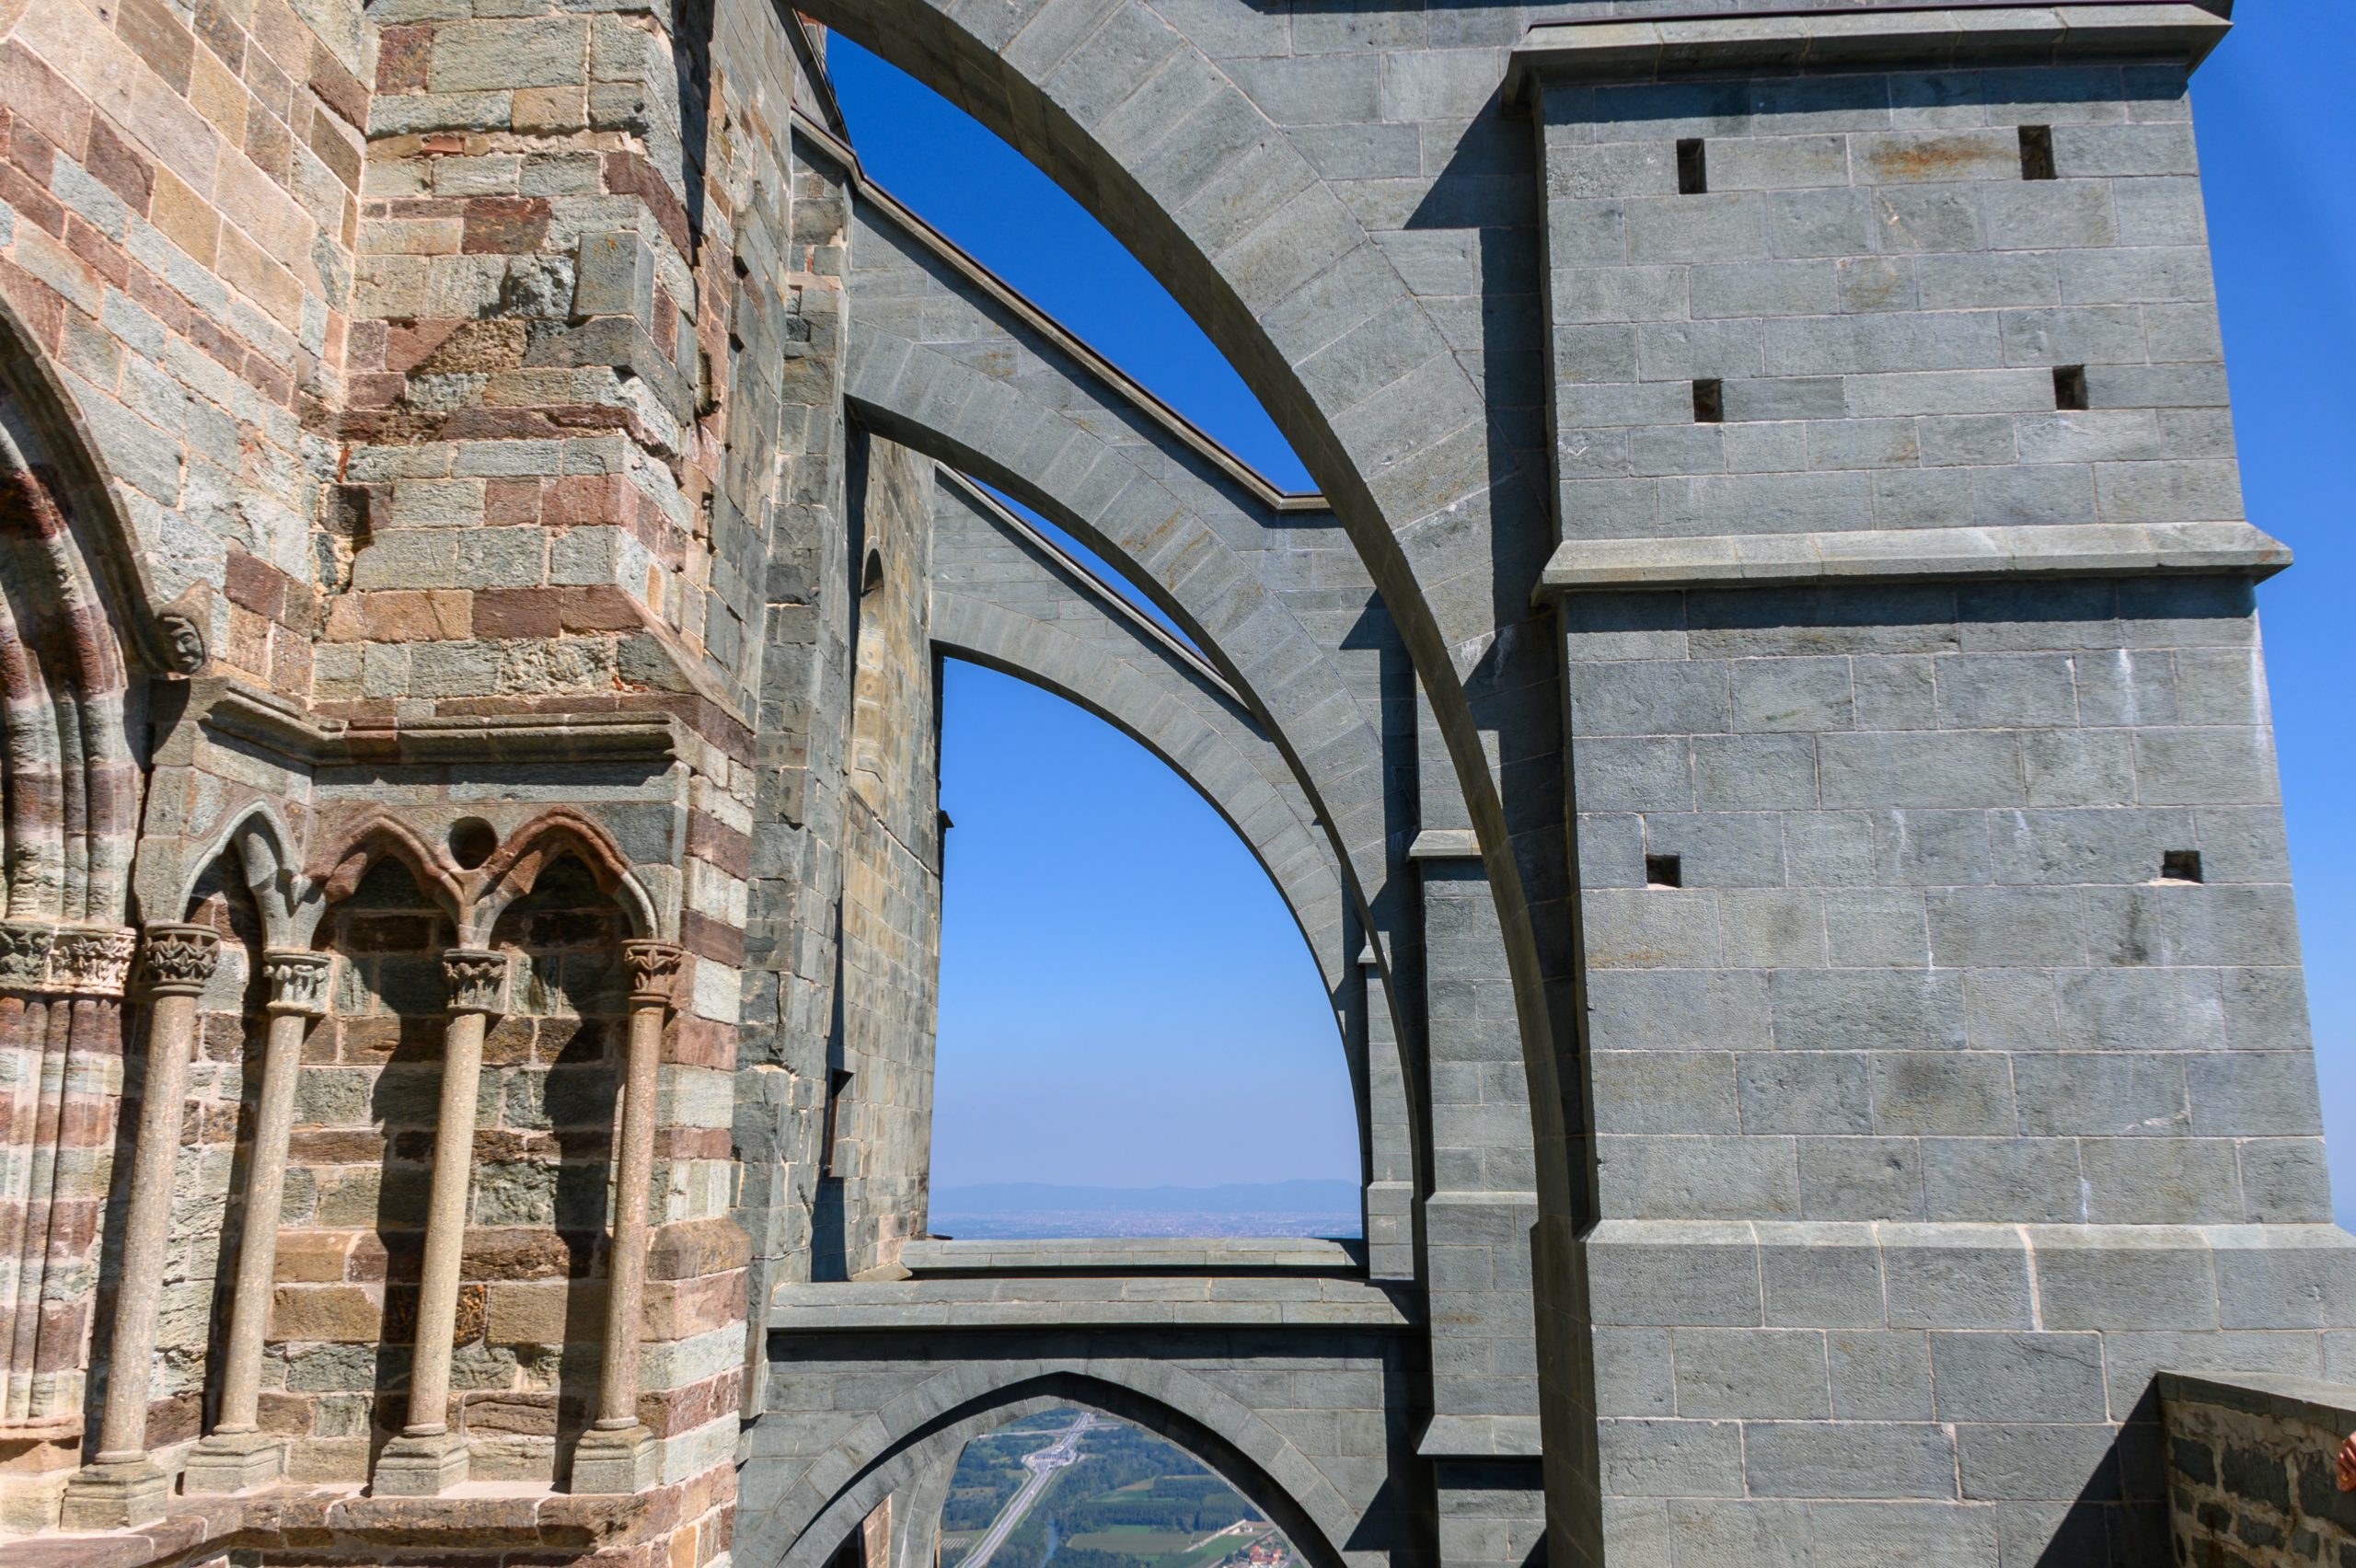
1642 50
1916 555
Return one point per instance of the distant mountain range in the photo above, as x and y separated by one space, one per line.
1008 1209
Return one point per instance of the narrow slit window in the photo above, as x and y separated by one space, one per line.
1664 871
1692 167
2070 386
1709 402
837 1084
2181 865
2037 152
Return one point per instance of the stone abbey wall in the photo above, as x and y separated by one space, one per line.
1762 731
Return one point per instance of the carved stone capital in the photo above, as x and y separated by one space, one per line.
93 962
300 981
653 969
180 959
24 954
478 980
73 960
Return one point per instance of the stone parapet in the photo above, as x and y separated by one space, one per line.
939 1257
1090 1301
1997 34
2251 1472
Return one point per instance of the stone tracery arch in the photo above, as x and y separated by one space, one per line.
515 866
360 844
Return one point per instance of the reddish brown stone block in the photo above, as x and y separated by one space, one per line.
511 503
673 1411
335 1146
713 841
691 1143
401 56
120 167
505 225
584 499
339 89
517 612
629 174
255 584
401 615
98 252
157 38
707 938
602 607
33 204
38 95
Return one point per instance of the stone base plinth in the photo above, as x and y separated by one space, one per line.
118 1496
620 1462
420 1466
229 1462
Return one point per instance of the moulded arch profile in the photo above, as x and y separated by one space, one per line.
258 840
376 835
929 1425
164 640
516 865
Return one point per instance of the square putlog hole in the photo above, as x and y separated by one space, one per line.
1692 167
1709 402
2181 865
2070 387
1664 871
2037 152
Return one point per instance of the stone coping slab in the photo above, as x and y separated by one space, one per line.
2329 1405
344 1521
1904 555
1966 35
1133 1254
1445 844
1480 1437
1087 1301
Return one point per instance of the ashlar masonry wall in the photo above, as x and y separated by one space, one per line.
891 869
1950 1053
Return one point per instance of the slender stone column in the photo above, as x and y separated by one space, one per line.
428 1458
124 1486
236 1456
617 1453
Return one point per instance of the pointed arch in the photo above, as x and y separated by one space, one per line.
258 838
512 869
930 1423
72 597
375 836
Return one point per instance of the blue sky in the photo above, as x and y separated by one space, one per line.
1107 935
